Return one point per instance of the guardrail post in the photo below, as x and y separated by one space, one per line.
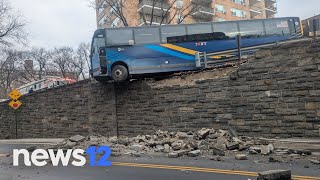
198 59
239 46
205 60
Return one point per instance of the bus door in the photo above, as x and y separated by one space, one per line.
98 54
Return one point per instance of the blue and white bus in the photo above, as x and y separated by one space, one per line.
120 53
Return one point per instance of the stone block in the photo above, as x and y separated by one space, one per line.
313 105
275 175
241 157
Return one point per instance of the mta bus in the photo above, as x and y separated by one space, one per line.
122 53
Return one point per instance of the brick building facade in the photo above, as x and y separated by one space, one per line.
142 12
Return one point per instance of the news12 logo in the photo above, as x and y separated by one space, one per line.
39 157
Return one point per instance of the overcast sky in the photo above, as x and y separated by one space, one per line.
55 23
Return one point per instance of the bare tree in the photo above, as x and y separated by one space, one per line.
61 58
116 6
8 70
24 68
170 10
79 65
41 57
83 53
11 25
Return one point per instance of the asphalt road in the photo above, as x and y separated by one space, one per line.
155 168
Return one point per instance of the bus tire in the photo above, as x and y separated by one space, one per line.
120 73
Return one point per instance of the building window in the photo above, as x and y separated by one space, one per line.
241 2
180 19
221 8
102 21
115 23
113 10
102 7
238 13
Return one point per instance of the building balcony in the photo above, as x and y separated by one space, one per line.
201 1
203 12
270 2
270 12
159 8
255 2
156 20
255 11
272 9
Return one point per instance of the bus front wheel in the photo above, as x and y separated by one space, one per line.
120 73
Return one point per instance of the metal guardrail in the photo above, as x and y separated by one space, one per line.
202 61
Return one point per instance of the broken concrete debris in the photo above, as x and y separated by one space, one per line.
137 147
218 152
211 142
203 133
275 175
77 138
216 158
300 151
173 155
241 157
194 153
233 146
314 161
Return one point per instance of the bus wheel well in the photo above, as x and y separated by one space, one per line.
120 63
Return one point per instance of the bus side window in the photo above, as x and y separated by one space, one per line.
199 29
277 27
147 35
228 29
167 32
119 37
251 29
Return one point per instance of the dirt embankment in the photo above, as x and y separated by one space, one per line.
190 78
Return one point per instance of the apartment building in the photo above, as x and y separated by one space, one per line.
157 12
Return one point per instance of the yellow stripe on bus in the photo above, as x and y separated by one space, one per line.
192 52
178 48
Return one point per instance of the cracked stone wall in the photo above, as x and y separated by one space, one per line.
62 112
275 95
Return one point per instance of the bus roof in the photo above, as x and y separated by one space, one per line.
137 27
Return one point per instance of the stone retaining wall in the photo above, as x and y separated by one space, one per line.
275 95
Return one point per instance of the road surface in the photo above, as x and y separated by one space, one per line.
155 168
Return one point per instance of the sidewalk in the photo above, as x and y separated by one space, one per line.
31 141
297 143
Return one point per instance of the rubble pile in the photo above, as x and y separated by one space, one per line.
205 142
